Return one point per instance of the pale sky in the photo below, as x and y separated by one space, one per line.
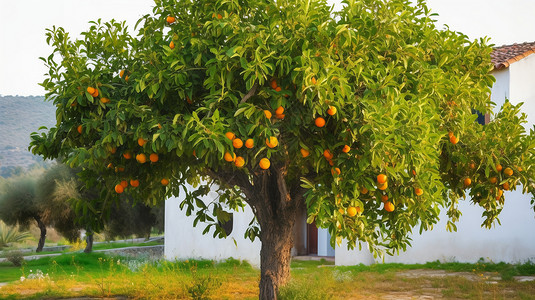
23 23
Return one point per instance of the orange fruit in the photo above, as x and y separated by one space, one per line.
120 169
320 122
279 110
506 186
389 207
95 94
104 100
272 142
508 171
264 163
141 141
267 113
331 111
110 165
79 129
121 74
363 190
124 184
327 154
384 198
351 211
341 210
418 191
230 135
273 84
381 178
413 173
119 188
493 180
172 45
450 134
126 78
383 186
164 181
159 126
127 155
331 163
249 143
280 117
278 89
454 140
229 157
219 16
467 182
141 158
91 90
189 100
237 143
154 157
472 165
134 182
346 149
170 19
313 80
499 167
519 168
239 162
335 171
304 152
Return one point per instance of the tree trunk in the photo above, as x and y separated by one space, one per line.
275 256
42 237
89 241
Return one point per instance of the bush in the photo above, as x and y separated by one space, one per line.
15 257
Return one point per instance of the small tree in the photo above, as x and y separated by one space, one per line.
363 115
11 234
18 206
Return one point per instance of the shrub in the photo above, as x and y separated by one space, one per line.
15 257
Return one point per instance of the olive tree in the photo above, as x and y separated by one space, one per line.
364 116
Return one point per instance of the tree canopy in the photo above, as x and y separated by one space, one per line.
365 115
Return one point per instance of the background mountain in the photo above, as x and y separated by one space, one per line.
19 117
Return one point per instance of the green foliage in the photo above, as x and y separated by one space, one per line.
11 234
18 203
15 257
400 87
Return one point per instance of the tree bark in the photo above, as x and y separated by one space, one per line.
89 241
42 237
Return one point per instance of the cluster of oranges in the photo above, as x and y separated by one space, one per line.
238 143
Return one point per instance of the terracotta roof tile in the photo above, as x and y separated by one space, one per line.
503 56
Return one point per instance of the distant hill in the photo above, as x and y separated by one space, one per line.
20 116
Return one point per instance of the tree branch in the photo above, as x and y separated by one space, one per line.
250 93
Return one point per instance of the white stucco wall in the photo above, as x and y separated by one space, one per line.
522 86
183 241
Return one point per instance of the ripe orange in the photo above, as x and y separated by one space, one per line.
229 157
121 74
384 198
346 149
335 171
91 90
134 182
280 117
79 129
273 84
519 168
313 80
272 142
126 78
172 45
381 178
493 180
141 158
119 188
383 186
141 141
454 140
170 19
237 143
264 163
189 100
164 181
450 134
331 163
154 157
279 110
328 154
127 155
230 135
467 182
320 122
418 191
304 152
120 169
104 100
249 143
341 210
499 194
472 165
110 165
499 167
124 184
506 186
363 190
219 16
351 211
267 113
389 207
278 89
239 162
508 171
331 111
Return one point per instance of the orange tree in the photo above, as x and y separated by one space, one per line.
364 115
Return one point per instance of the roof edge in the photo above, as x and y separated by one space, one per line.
508 62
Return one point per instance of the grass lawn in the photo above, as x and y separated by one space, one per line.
99 275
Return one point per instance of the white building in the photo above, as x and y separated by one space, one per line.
513 241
